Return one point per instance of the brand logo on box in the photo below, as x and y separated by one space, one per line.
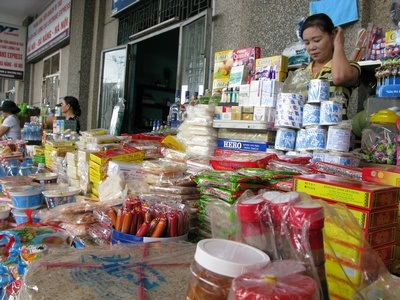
233 145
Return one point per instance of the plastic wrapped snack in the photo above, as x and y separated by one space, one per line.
138 271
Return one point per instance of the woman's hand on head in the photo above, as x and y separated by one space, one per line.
338 37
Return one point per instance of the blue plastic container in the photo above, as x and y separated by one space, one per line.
26 197
20 216
118 237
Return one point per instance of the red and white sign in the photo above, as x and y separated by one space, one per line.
12 51
50 28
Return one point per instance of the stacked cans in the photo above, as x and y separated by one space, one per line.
288 119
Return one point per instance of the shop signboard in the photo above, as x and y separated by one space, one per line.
49 28
119 5
12 51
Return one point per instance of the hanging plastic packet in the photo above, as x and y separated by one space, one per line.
117 117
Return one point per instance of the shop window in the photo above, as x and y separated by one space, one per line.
51 80
150 13
112 83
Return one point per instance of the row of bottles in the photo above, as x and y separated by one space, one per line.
25 168
32 131
177 110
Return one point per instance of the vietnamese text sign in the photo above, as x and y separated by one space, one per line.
50 28
12 51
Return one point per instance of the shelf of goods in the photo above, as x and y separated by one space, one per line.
240 124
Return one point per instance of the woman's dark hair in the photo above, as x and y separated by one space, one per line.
321 21
74 103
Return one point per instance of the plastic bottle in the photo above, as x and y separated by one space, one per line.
13 169
174 112
117 117
24 169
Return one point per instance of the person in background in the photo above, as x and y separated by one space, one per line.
10 128
72 110
325 44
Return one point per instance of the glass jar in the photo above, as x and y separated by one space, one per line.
217 263
378 141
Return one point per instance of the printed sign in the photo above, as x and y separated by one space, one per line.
49 29
12 51
119 5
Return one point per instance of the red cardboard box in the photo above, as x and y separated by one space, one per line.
245 57
365 195
374 219
388 175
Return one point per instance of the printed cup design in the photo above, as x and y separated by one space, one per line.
311 114
285 139
316 138
331 113
318 91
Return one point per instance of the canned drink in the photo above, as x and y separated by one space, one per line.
338 138
316 138
318 91
285 139
311 114
331 113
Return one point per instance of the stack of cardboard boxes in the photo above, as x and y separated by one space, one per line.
349 250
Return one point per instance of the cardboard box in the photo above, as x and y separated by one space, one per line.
375 218
246 58
365 195
244 95
255 93
264 114
223 62
247 117
248 109
344 271
339 288
339 237
279 62
242 145
388 175
236 116
386 252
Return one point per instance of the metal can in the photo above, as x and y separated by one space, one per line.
318 91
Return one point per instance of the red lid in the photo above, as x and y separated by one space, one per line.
307 213
255 286
250 210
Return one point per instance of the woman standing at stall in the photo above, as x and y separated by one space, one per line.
10 128
325 44
72 110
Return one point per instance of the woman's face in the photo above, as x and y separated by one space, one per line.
64 107
319 44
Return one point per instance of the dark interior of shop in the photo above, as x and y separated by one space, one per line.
154 80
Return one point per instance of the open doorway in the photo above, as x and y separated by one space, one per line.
151 87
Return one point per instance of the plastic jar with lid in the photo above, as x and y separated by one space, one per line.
256 225
378 140
217 263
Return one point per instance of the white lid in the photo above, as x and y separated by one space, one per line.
64 191
25 190
228 258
